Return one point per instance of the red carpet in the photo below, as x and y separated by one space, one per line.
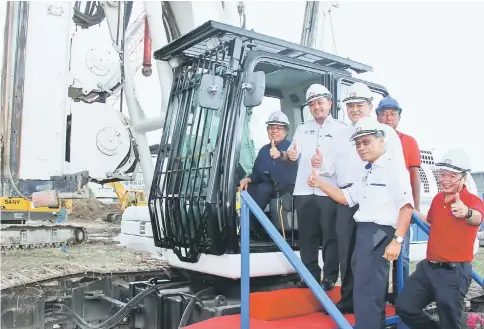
283 309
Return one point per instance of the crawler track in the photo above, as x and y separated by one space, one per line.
42 235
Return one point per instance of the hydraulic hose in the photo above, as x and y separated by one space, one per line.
189 309
121 314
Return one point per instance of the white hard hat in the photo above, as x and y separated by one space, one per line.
358 92
366 126
278 118
455 160
317 91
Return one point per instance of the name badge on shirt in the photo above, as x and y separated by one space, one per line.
311 132
328 135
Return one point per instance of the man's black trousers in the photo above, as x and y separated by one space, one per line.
316 216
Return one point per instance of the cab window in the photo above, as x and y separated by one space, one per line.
285 91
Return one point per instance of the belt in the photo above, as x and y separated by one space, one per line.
346 186
446 265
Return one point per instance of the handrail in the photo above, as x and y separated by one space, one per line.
426 229
248 205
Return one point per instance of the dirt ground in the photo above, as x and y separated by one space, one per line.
99 254
26 266
91 214
92 209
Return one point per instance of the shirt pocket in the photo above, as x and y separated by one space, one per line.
379 194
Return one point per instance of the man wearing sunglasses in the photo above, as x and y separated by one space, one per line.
446 274
385 202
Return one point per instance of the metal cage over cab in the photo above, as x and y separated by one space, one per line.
194 44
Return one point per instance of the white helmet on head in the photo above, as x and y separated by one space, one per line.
317 91
455 160
358 92
278 118
366 126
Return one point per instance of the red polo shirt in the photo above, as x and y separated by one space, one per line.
411 152
451 239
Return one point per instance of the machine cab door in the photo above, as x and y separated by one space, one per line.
185 180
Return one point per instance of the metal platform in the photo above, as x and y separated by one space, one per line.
194 44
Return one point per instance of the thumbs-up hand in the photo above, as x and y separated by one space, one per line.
292 153
275 153
458 208
317 159
313 179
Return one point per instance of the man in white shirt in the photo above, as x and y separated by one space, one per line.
343 163
384 196
316 212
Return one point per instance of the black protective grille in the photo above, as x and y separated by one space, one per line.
182 217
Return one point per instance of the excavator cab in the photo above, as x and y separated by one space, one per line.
227 81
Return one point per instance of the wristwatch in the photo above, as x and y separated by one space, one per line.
397 238
469 213
281 153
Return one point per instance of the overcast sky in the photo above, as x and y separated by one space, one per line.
429 55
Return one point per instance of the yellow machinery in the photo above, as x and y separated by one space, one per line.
18 210
126 198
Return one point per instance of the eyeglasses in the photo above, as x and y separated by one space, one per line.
449 177
365 142
275 128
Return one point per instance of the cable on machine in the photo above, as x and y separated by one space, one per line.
93 14
120 314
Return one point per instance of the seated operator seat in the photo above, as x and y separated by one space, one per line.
283 207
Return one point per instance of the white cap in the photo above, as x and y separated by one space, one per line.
366 126
317 91
278 118
358 92
455 160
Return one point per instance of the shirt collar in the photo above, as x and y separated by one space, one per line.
328 120
381 162
463 194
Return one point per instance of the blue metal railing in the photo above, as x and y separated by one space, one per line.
248 205
426 229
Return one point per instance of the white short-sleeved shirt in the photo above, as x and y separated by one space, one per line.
381 193
344 163
307 137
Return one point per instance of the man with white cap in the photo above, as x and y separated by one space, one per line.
316 212
343 163
446 274
270 172
385 208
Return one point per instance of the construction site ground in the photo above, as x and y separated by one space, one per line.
100 254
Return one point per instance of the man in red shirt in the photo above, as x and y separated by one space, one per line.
446 274
388 112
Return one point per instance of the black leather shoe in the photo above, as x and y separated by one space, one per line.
301 284
344 310
327 285
391 298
